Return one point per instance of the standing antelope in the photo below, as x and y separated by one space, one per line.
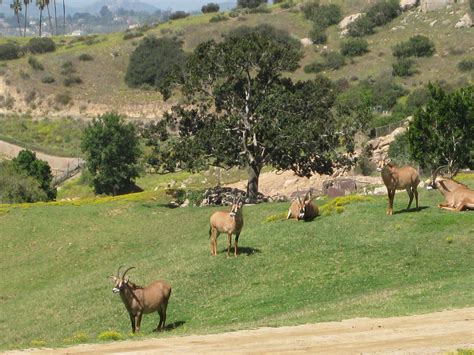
229 223
303 210
458 196
395 178
140 300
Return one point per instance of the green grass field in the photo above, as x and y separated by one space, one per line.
56 258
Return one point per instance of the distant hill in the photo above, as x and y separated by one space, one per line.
114 5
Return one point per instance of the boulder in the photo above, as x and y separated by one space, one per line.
407 4
306 42
433 5
464 22
339 187
346 21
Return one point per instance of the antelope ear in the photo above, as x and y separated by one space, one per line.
112 277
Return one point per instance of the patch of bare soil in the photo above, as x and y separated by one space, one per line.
432 333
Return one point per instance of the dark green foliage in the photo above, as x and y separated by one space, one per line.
353 47
251 4
471 4
10 51
286 4
210 7
404 67
442 133
364 165
318 35
243 112
386 92
152 61
466 65
218 18
260 9
35 64
47 79
322 15
178 14
314 67
39 45
27 163
383 12
417 99
17 186
334 60
399 150
361 27
67 68
416 46
132 34
112 152
85 57
71 80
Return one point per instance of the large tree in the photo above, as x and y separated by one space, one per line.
16 7
112 153
243 112
442 133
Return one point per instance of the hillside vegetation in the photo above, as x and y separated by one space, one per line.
358 262
102 85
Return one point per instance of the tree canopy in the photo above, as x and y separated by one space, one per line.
243 112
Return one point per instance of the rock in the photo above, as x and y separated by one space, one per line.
339 187
306 42
399 130
346 21
433 5
344 33
432 23
464 22
382 190
185 203
407 4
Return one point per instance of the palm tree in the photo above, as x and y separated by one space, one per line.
40 4
16 7
26 3
46 2
55 17
64 18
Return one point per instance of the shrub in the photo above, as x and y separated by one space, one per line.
417 99
18 187
322 15
416 46
317 35
152 61
471 4
260 9
35 64
71 80
47 79
383 12
287 4
403 67
178 14
210 7
218 18
361 27
353 47
67 68
110 335
399 150
9 51
132 34
63 98
85 57
39 45
250 4
364 165
466 65
314 67
334 60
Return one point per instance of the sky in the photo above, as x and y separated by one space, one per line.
157 3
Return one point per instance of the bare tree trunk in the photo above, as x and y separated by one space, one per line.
19 23
50 22
41 21
64 18
252 185
55 17
26 19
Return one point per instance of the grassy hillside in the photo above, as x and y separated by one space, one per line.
103 87
55 259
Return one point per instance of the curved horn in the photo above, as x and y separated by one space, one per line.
125 272
299 195
437 171
118 270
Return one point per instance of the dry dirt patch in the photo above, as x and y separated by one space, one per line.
431 333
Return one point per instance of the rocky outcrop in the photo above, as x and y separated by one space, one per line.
306 42
381 145
433 5
408 4
346 21
464 22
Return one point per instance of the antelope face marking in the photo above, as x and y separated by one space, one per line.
235 209
302 211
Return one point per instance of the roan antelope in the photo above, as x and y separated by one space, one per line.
303 210
395 178
458 196
227 222
140 300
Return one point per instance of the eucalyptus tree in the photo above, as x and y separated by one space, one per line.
16 7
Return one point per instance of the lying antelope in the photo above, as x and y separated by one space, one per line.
303 210
140 300
229 223
395 178
458 196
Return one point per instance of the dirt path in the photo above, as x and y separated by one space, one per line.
420 334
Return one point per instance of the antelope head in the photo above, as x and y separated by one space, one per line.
236 206
303 204
120 281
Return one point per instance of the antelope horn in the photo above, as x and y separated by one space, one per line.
437 171
299 195
125 272
118 270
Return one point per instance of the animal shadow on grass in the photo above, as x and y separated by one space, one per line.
414 209
174 325
243 250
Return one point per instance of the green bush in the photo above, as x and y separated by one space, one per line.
314 67
132 34
48 79
383 12
322 15
152 61
416 46
210 7
67 68
35 64
471 4
9 51
403 67
178 14
84 57
399 150
318 35
334 60
260 9
466 65
18 187
250 4
353 47
218 18
417 99
286 4
71 80
39 45
361 27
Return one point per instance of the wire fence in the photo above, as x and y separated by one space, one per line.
59 176
389 128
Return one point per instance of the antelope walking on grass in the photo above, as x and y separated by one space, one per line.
140 300
227 222
303 210
395 178
458 196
